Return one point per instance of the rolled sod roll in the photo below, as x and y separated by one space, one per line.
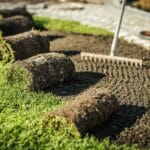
46 70
14 25
87 110
28 44
21 11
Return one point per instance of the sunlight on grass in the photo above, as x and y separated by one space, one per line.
6 52
22 115
23 112
68 26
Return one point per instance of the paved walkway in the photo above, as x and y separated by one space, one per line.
100 15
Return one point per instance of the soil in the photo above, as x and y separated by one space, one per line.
21 11
88 109
131 123
46 70
14 25
131 85
28 44
99 44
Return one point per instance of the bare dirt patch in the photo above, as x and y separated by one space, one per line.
130 85
99 44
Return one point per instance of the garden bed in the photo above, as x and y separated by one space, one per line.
129 84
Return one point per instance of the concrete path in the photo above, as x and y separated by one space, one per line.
100 16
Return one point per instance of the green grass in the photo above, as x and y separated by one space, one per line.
6 52
68 26
1 17
22 115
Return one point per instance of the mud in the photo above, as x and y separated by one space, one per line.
130 85
53 35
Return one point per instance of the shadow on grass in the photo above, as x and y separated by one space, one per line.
125 117
80 82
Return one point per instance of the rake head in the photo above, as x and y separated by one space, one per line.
111 59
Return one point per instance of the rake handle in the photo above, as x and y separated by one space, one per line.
115 39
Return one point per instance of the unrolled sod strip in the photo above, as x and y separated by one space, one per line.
87 110
45 70
28 44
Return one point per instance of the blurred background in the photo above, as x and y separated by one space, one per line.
95 13
141 4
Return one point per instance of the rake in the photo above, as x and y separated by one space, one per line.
111 58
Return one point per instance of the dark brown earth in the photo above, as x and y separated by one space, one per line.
14 25
131 123
21 11
99 44
28 44
131 85
46 70
87 110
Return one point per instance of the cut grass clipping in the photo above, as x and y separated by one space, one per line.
68 26
22 124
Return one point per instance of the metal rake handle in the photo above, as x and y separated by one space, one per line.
115 39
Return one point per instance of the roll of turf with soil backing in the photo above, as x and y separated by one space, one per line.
28 44
14 25
21 11
87 110
43 70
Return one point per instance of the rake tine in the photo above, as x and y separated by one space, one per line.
112 59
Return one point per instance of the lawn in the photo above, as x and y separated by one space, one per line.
68 26
22 115
22 112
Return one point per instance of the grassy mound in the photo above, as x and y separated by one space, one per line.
22 123
68 26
